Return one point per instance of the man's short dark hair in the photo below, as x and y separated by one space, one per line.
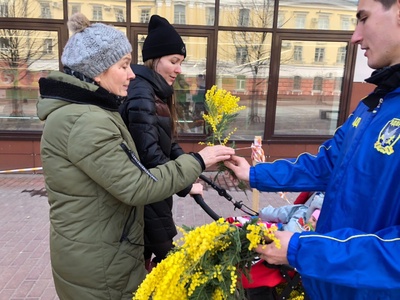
387 3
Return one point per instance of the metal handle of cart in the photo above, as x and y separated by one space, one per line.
222 192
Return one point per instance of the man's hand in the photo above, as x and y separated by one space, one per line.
239 166
273 255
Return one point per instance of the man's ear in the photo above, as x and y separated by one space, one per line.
398 8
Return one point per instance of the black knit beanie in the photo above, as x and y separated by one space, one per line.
162 39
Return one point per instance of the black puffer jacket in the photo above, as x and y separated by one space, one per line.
148 119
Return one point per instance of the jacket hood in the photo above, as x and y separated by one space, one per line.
60 89
161 88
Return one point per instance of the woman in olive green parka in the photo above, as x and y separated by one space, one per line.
95 188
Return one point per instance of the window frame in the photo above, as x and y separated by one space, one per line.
210 16
244 17
298 53
97 12
45 11
48 46
179 14
145 14
319 54
271 104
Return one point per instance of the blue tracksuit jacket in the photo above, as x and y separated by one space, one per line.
355 251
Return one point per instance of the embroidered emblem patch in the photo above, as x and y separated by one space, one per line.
388 137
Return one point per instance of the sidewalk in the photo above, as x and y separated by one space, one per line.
25 271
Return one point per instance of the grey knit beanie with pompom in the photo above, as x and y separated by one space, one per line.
93 48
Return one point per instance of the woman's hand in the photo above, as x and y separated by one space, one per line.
213 154
197 189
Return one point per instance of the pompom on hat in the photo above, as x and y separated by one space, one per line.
93 48
162 39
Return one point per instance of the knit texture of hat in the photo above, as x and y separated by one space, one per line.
162 39
93 48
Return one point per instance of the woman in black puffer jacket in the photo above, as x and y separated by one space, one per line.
150 116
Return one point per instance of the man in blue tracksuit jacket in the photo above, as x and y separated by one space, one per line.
355 251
